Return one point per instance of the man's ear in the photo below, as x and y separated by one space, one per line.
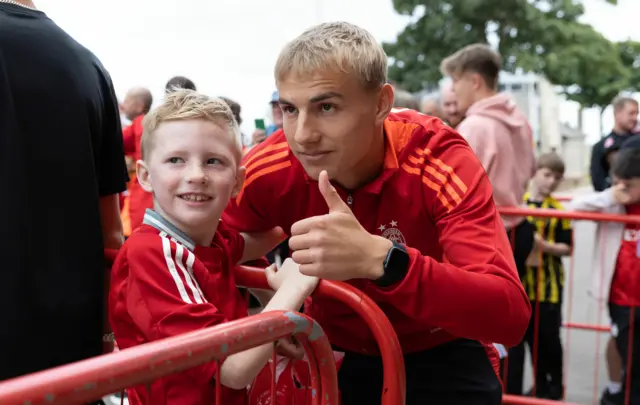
240 176
143 176
385 102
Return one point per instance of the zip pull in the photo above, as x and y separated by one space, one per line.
349 199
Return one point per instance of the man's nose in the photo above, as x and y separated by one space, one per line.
306 132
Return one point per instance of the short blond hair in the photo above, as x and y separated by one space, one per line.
337 46
476 58
184 104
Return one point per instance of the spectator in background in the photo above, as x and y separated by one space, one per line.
260 135
179 82
452 114
136 105
404 99
236 110
59 130
625 117
431 106
498 133
616 276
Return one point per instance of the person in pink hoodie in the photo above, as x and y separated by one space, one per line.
498 133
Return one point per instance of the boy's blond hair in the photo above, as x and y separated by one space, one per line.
182 105
476 58
337 46
551 161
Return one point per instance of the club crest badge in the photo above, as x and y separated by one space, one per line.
390 231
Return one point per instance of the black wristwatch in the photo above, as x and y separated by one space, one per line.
395 265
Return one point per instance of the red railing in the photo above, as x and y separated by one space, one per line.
569 325
89 380
394 389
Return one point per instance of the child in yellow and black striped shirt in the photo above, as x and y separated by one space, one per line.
544 281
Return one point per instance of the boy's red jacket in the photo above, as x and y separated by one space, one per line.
163 285
433 196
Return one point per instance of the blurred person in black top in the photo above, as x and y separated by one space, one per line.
61 169
543 281
625 115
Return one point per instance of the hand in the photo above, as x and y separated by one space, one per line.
258 136
335 246
290 347
538 242
620 194
289 276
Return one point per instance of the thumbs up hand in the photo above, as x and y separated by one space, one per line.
335 246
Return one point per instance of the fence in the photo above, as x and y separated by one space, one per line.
569 324
89 380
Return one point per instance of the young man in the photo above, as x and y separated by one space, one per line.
616 264
408 219
59 131
544 282
498 133
625 116
175 274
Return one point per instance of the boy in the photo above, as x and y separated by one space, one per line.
544 281
175 273
616 265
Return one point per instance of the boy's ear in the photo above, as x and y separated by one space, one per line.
143 176
240 175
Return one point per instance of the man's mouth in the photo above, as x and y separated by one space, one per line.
193 197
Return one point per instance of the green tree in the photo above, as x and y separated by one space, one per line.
528 32
630 56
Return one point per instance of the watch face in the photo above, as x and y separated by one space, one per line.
398 261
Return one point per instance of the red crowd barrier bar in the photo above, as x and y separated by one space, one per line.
573 215
586 326
89 380
394 389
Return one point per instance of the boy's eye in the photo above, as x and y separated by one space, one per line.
214 161
174 160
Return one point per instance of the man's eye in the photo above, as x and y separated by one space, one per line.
327 107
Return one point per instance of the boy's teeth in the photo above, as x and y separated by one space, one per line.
195 197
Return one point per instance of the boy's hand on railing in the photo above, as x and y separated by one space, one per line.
289 276
291 348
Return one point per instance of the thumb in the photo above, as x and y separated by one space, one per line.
330 194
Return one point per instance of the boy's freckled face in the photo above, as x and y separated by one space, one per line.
193 172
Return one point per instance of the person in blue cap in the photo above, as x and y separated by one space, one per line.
260 135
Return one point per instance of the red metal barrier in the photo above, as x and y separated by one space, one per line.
597 327
394 389
91 379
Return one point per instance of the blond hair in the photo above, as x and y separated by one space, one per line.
335 46
184 104
476 58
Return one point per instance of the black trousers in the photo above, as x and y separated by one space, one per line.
456 373
549 365
621 324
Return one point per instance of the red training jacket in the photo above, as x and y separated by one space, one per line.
433 196
163 285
